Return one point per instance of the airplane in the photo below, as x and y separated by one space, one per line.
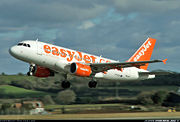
46 59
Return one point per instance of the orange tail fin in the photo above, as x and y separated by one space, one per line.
144 52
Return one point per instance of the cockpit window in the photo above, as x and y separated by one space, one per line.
24 44
20 44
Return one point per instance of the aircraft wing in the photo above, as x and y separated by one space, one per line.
101 67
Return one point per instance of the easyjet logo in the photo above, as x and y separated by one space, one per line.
71 55
142 51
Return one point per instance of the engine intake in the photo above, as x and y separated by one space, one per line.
80 69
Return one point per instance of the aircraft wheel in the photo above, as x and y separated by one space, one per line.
66 84
92 84
28 73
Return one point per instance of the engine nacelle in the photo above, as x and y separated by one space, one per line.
80 69
39 71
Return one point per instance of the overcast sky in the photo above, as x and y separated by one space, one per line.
112 28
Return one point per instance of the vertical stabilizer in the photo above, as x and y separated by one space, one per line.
144 52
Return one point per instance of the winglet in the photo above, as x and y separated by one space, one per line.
164 61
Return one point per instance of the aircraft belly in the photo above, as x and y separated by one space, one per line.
120 75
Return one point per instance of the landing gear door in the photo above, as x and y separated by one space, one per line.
39 47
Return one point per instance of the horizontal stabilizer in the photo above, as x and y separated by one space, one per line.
155 73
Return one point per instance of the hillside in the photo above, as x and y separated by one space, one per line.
8 91
20 86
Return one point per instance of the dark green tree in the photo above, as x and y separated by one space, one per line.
48 100
159 97
145 98
66 97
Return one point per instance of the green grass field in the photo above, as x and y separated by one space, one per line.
12 91
8 78
145 88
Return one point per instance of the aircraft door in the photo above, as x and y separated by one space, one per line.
39 47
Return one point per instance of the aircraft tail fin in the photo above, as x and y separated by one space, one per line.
144 52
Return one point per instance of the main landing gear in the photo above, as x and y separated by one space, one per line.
66 84
92 83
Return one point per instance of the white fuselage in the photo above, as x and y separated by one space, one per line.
57 58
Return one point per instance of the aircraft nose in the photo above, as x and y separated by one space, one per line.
13 51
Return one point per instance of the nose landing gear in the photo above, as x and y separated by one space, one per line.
32 69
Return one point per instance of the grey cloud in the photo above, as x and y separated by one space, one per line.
54 13
146 6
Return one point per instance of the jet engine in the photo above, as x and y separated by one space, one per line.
80 69
39 71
